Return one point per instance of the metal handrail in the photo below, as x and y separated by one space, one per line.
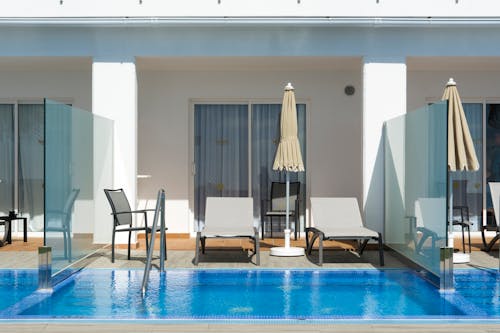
159 214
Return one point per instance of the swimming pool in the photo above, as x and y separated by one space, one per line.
258 294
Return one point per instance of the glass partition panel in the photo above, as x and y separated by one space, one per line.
416 185
75 174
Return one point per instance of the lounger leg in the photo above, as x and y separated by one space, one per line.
362 246
203 240
484 238
468 232
129 239
380 249
313 239
197 248
320 250
310 243
113 247
307 241
463 239
491 243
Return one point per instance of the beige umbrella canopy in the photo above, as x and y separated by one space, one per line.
288 156
461 153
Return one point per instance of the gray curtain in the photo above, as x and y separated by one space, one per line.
221 153
6 158
31 169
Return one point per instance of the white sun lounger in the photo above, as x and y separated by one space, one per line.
339 219
228 217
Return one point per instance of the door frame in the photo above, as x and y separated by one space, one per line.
249 102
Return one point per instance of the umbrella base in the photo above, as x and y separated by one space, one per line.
287 251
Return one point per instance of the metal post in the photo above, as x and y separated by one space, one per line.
160 202
162 232
44 267
446 269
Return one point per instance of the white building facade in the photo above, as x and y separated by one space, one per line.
146 64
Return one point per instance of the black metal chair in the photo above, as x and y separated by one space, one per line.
275 207
60 221
122 219
460 204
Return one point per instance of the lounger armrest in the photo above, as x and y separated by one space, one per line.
134 211
143 210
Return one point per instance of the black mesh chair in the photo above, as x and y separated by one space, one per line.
461 207
275 207
60 221
122 219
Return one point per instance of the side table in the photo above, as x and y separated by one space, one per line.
7 222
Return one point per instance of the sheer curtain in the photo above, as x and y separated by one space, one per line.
6 158
265 138
221 153
31 168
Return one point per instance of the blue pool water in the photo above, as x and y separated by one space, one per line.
256 294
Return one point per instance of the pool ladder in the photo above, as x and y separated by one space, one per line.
159 215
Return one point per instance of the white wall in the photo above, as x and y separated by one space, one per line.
472 85
334 156
75 85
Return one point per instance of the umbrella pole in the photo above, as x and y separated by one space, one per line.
287 250
287 218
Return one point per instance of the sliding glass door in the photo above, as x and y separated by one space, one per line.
28 119
7 158
229 139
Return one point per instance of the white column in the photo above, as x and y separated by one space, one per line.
384 97
114 96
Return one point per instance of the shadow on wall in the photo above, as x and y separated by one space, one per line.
374 205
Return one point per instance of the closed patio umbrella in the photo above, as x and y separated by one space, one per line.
289 159
461 152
